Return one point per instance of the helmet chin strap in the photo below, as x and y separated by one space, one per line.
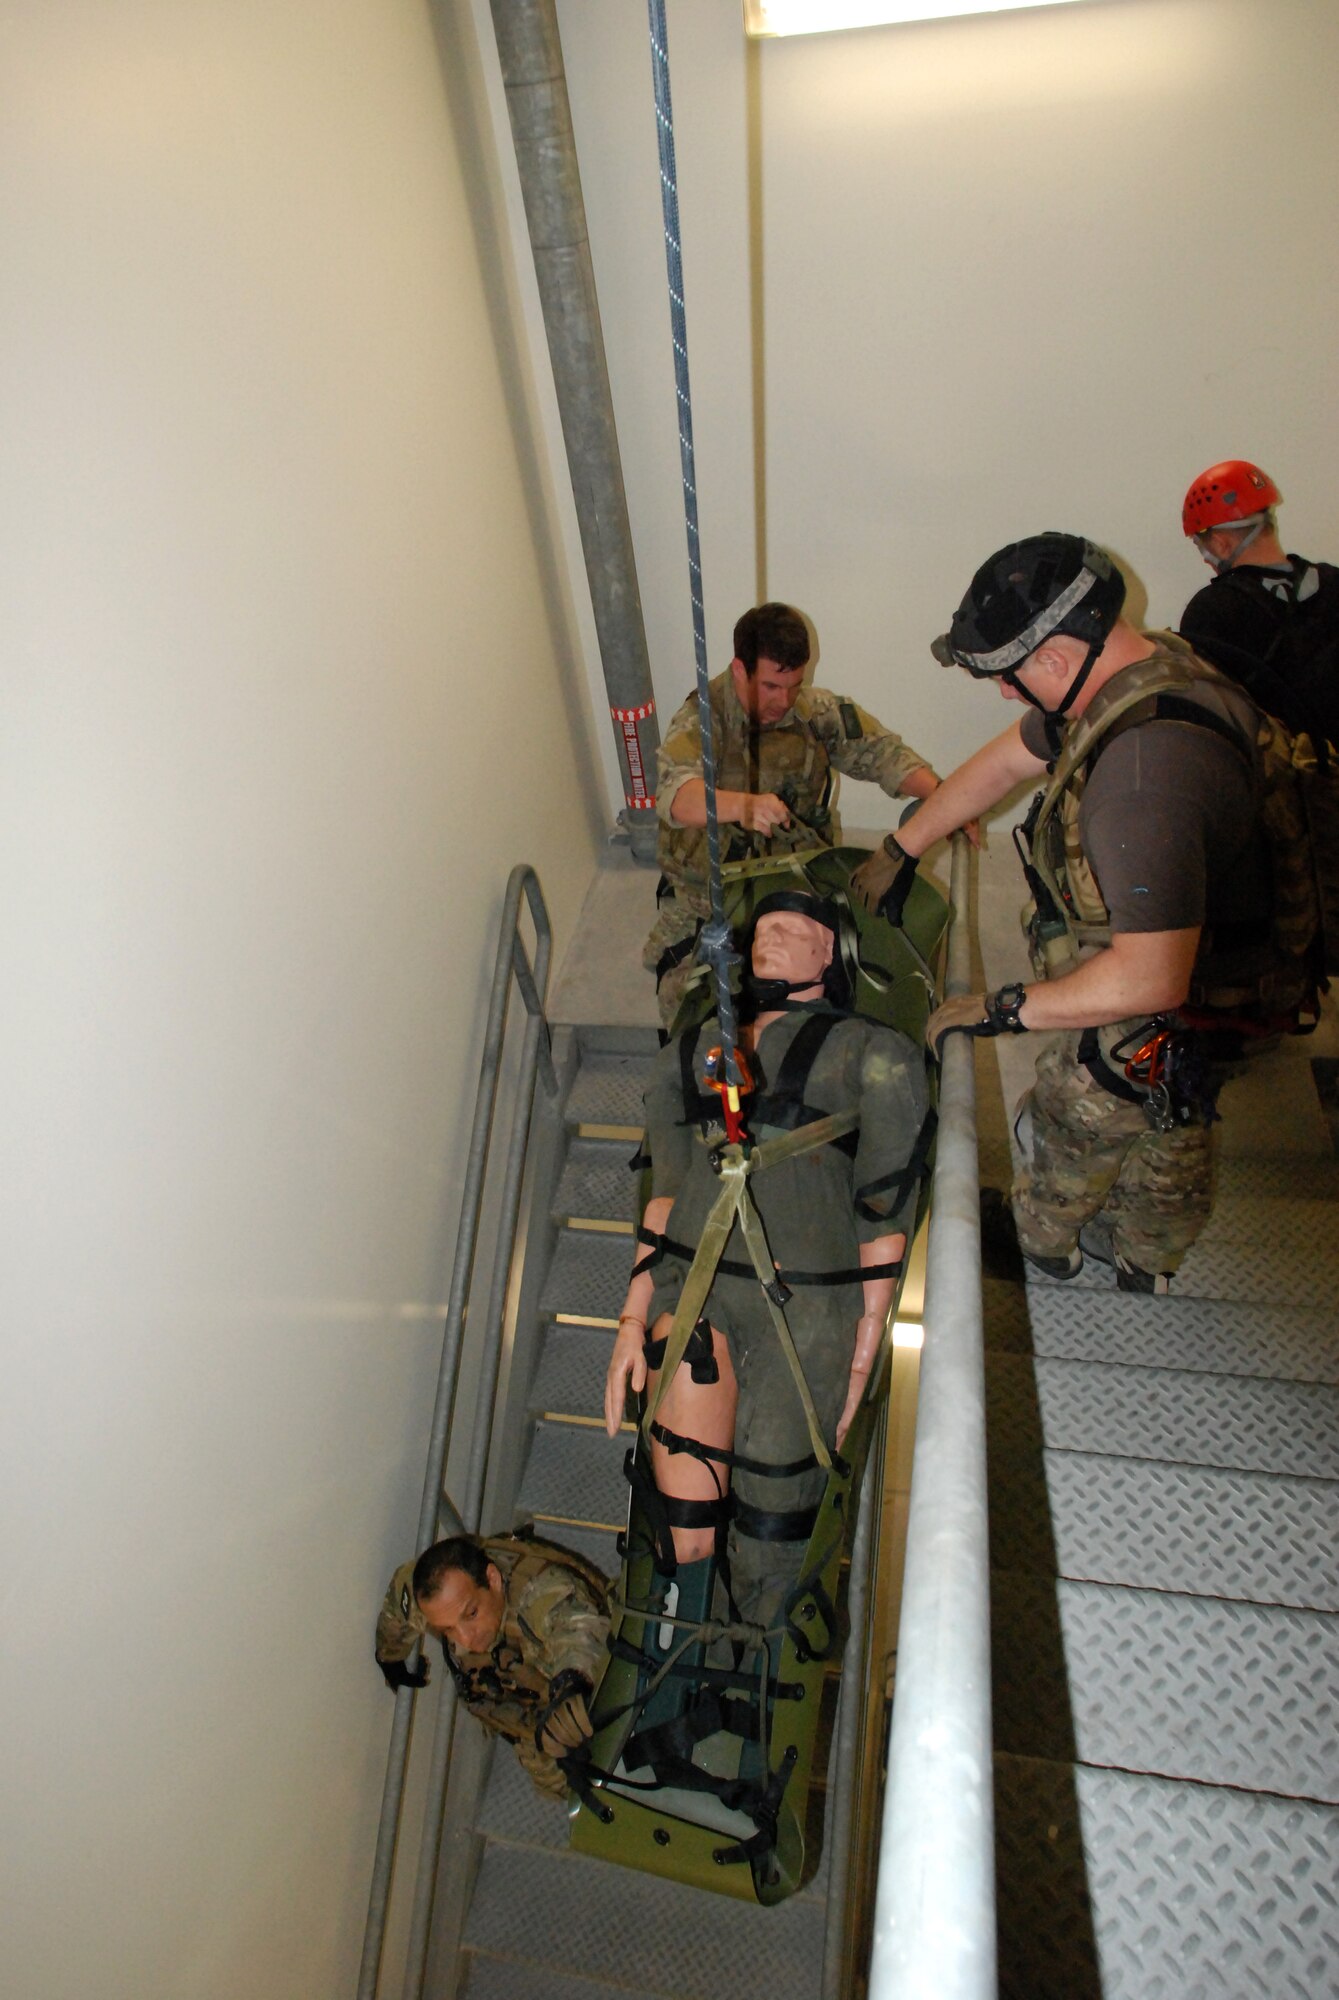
770 996
1220 565
1053 715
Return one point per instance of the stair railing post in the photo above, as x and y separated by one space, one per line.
508 963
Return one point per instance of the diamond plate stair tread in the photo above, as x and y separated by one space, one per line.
1199 1530
596 1544
589 1275
489 1978
1275 1251
1196 1688
569 1381
1196 1893
576 1473
1218 1336
513 1810
1242 1423
596 1182
588 1918
607 1090
1290 1176
1007 1309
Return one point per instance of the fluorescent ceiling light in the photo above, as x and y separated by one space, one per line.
815 17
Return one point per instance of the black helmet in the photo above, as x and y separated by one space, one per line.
1046 584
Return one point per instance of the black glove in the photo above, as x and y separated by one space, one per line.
976 1014
399 1674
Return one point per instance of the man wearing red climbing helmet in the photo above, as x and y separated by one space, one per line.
1269 619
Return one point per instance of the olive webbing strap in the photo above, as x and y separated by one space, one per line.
770 864
716 1234
693 1298
734 1201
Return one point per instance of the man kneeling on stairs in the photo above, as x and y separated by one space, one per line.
523 1625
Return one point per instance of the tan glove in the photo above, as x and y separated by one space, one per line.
567 1725
882 884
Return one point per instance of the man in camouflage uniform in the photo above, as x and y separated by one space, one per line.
1164 890
523 1625
776 745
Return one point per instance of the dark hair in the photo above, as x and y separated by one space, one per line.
772 632
459 1552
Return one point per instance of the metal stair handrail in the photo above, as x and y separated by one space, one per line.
934 1919
536 1061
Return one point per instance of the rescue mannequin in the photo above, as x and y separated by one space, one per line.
839 1213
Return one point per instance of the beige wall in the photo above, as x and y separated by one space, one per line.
1021 271
289 686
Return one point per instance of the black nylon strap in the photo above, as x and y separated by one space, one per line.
900 1183
675 954
732 1267
1174 708
710 1455
699 1354
1099 1069
761 1525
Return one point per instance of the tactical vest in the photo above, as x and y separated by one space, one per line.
1287 967
788 759
500 1687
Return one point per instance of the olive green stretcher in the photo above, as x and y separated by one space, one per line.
731 1814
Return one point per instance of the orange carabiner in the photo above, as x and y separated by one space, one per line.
730 1093
1148 1064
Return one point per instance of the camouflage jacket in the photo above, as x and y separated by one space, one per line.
555 1621
795 758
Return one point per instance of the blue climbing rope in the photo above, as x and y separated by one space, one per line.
715 945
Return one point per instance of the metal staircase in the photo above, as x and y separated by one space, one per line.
1164 1528
542 1921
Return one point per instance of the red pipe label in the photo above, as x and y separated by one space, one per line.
640 799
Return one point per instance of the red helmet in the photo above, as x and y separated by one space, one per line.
1233 491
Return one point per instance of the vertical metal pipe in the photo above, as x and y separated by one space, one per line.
934 1930
541 126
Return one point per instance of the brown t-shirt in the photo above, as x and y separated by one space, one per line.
1168 822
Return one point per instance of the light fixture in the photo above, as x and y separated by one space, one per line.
816 17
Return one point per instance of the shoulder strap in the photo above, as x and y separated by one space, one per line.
785 1105
1168 672
543 1553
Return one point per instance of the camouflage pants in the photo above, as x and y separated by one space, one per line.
1094 1152
681 916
